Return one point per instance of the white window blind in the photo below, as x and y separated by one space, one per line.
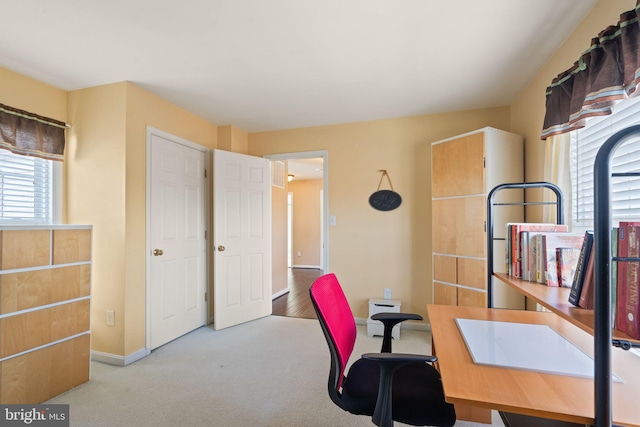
26 189
625 192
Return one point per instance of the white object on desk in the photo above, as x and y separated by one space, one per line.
524 346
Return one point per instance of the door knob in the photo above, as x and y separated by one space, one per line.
221 248
157 252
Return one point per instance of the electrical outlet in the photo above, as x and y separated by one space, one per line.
299 253
111 318
387 293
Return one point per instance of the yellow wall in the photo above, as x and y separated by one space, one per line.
106 168
306 222
94 165
279 238
231 138
371 250
31 95
527 112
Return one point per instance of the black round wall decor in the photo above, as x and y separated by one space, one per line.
385 200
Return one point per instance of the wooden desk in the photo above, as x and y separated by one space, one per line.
523 392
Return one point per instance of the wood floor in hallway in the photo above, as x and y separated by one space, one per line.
296 303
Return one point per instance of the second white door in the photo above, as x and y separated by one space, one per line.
242 238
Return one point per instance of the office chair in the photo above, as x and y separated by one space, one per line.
386 386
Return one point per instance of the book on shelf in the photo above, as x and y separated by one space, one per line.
623 252
586 299
628 286
581 267
588 284
507 251
567 260
588 288
614 274
515 249
525 268
549 264
535 258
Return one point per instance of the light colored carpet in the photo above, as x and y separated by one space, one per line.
269 372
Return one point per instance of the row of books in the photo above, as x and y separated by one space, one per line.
625 278
543 253
548 254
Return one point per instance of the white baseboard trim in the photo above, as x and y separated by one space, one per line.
280 293
403 325
315 267
426 327
117 360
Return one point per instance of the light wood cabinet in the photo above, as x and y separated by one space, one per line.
45 302
464 169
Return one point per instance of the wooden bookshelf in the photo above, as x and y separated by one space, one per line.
557 300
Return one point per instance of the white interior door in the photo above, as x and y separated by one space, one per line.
177 240
242 238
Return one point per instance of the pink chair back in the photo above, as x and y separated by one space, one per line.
337 318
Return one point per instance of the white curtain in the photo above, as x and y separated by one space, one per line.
557 171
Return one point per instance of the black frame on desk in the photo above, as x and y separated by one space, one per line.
602 337
559 203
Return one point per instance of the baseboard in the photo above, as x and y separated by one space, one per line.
426 327
279 293
117 360
314 267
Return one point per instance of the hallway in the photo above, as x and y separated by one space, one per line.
296 303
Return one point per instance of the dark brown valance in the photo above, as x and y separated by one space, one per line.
606 73
31 135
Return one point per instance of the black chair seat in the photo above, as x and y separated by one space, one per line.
417 393
410 388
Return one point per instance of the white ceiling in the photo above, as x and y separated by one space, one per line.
277 64
303 169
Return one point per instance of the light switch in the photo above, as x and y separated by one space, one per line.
111 318
332 220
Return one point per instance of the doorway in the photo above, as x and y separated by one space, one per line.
296 302
304 232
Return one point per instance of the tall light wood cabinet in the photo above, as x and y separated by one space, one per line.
45 302
463 171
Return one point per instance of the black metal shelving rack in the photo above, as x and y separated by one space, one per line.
512 419
491 203
602 336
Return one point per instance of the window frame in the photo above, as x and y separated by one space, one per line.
54 196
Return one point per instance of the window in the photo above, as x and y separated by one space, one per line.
27 189
625 192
